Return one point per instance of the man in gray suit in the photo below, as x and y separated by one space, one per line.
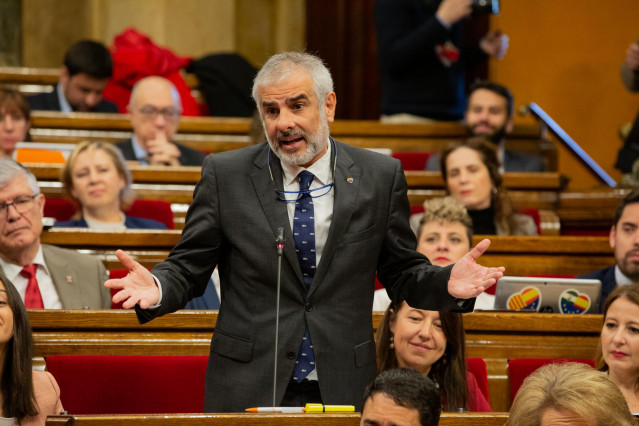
357 228
64 279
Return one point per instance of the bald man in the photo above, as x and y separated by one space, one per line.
155 109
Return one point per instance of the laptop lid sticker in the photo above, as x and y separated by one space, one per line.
529 299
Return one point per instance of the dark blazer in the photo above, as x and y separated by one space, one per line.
188 156
50 102
608 282
129 222
233 223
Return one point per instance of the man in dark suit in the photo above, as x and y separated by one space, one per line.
624 240
490 113
83 77
64 279
348 226
155 110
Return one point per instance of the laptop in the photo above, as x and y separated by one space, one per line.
548 295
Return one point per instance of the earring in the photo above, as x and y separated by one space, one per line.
445 358
392 343
494 190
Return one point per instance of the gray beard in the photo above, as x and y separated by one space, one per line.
315 143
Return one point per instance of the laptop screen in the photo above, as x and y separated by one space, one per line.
548 295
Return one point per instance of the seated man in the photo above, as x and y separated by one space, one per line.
401 396
490 113
155 110
45 276
83 77
624 240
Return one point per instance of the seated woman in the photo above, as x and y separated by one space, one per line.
97 178
27 397
432 343
471 175
15 122
444 235
571 393
618 349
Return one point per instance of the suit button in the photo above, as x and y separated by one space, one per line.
308 307
291 355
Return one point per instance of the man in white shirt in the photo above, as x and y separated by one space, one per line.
64 279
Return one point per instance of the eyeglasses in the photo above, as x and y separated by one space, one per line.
292 196
22 204
151 113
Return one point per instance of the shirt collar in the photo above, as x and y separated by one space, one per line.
139 152
12 270
620 278
321 169
64 105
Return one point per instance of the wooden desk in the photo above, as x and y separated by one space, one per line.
520 255
214 134
591 209
446 419
495 337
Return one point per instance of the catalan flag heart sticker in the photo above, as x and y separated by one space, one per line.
573 302
529 299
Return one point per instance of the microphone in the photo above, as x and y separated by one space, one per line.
279 241
279 244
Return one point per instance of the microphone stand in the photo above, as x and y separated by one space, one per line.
279 244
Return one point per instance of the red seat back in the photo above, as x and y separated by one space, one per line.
102 384
477 366
412 160
116 273
520 368
59 208
153 209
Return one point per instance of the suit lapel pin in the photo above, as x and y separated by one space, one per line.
69 279
349 180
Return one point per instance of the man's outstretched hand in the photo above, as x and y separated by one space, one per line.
468 279
138 287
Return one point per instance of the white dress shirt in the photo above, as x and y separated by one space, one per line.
49 294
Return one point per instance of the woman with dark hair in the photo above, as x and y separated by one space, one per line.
96 177
15 116
618 350
471 175
27 396
432 343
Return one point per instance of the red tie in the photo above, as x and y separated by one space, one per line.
32 297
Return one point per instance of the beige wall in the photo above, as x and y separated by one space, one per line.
188 27
565 56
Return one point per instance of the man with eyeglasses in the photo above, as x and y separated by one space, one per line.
155 110
336 214
46 276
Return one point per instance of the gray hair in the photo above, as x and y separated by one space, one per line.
10 169
278 67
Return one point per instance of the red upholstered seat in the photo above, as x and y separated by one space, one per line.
412 160
477 366
102 384
520 368
59 208
153 209
62 209
116 273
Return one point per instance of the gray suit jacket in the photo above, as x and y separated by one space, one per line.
78 278
233 223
